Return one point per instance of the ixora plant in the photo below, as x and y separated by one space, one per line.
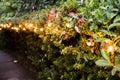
77 41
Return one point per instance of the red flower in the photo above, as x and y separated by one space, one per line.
81 20
52 14
106 46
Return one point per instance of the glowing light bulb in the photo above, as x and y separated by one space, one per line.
20 26
1 25
49 24
24 29
0 28
8 26
35 29
12 28
68 25
26 24
16 29
89 43
4 26
30 25
110 48
41 29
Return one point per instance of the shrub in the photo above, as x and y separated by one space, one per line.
77 41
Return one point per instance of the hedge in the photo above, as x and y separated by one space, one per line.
78 40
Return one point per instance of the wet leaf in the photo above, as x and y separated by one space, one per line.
102 62
113 71
93 26
117 67
117 59
117 19
105 55
114 25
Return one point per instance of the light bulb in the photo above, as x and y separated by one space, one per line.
8 26
89 43
35 29
20 26
4 26
26 24
30 25
110 48
68 25
24 29
41 29
16 29
1 25
49 24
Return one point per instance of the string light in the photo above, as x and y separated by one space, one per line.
4 26
49 24
35 29
20 26
1 25
109 45
89 43
26 24
30 25
110 48
41 29
24 29
16 29
8 26
68 25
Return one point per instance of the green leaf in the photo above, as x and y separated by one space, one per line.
111 15
114 25
95 36
113 71
93 26
108 33
117 67
117 59
105 55
117 19
102 62
100 40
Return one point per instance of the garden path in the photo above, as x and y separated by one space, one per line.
10 69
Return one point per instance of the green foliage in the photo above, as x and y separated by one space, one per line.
8 9
105 55
103 62
72 44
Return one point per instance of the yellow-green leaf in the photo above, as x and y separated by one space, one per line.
105 55
114 25
103 62
113 71
117 19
